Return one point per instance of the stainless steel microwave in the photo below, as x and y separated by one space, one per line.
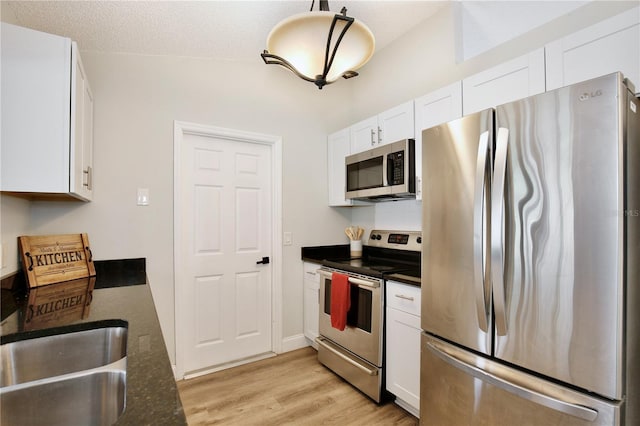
383 173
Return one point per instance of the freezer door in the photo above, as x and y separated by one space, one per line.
557 235
456 175
460 388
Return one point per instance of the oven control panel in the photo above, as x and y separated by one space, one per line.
399 240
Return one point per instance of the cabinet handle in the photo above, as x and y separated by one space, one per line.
311 273
89 175
402 296
373 137
379 135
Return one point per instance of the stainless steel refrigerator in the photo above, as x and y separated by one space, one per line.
531 262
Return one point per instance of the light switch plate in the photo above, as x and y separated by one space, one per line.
287 238
143 196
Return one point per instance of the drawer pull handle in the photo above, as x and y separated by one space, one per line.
402 296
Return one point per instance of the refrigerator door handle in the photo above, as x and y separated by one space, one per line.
535 396
497 227
478 232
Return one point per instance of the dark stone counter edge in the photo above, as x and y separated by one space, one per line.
317 254
109 273
154 367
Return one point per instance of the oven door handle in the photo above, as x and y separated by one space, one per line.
352 280
358 281
320 341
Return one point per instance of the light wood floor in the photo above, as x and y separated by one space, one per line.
292 388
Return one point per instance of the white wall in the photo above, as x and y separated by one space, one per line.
137 98
478 31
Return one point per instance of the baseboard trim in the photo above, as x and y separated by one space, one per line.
291 343
227 365
407 407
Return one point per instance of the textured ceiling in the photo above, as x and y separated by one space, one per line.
231 29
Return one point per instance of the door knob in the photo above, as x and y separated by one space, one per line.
264 261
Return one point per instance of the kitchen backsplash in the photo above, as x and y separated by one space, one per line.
402 215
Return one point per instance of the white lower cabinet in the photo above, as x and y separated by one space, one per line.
311 302
403 344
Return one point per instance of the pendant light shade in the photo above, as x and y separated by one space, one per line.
321 46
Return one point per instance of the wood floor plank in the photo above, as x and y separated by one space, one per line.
289 389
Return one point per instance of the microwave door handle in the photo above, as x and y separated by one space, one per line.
385 168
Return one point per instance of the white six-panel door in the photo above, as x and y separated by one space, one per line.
225 228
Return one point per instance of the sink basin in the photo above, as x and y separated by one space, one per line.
74 348
72 375
96 398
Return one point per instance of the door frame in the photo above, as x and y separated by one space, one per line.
181 128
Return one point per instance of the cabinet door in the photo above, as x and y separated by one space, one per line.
403 343
606 47
396 124
311 301
81 131
510 81
364 135
435 108
338 148
36 97
403 357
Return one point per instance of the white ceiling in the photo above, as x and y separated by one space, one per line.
230 30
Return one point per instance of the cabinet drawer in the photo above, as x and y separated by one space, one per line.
403 297
309 271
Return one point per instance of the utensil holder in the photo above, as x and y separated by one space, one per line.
355 247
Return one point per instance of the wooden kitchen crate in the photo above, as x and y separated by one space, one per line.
49 259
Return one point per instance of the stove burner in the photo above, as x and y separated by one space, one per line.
385 254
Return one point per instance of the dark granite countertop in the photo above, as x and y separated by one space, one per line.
317 254
119 291
341 252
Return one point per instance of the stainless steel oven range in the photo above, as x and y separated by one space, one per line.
356 353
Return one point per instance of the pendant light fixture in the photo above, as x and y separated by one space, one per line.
320 46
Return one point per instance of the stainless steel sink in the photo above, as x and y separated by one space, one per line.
62 353
95 398
76 375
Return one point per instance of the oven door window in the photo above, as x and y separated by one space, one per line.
360 312
365 174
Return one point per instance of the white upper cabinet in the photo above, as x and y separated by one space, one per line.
515 79
364 135
81 131
389 126
435 108
338 147
606 47
47 116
